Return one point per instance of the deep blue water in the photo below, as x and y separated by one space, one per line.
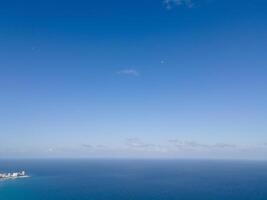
135 180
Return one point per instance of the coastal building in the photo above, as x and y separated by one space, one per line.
13 175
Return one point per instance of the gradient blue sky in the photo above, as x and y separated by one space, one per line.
175 78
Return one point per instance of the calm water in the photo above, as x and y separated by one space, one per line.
135 180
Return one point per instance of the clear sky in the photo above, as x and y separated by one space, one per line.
133 78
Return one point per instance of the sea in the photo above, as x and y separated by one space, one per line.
104 179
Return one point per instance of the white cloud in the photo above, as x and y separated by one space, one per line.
98 147
139 148
224 146
130 72
169 4
135 143
89 146
139 145
192 145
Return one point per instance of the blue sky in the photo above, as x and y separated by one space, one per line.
174 79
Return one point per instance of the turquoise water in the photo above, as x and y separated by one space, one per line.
135 180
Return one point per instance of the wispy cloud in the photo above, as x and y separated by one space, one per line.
129 72
89 146
173 146
136 143
225 146
169 4
192 145
139 145
98 147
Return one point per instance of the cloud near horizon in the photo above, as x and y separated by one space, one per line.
169 4
129 72
192 145
170 147
139 145
138 148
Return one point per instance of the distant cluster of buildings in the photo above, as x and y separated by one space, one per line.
13 175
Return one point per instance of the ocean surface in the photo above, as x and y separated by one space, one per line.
135 180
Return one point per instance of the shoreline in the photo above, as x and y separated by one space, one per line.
6 178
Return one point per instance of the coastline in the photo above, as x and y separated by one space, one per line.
14 175
8 178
